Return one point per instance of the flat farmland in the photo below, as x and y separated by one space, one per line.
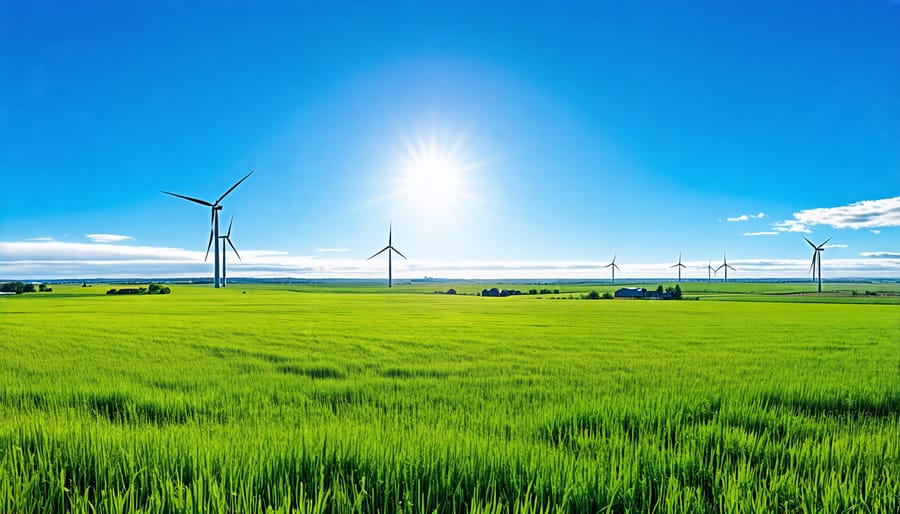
342 399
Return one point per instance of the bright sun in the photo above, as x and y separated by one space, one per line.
433 180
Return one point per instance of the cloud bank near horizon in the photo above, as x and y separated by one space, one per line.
64 260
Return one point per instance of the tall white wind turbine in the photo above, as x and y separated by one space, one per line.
817 259
389 248
227 238
214 228
614 268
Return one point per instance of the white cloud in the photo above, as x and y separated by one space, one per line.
881 255
875 231
41 239
107 238
746 217
332 250
791 226
754 234
864 214
835 246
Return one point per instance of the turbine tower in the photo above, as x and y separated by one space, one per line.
226 237
389 248
679 266
817 258
214 228
614 268
709 271
726 266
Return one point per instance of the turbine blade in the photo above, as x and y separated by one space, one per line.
398 252
188 198
810 242
379 253
233 248
230 223
617 267
232 188
825 243
813 265
208 246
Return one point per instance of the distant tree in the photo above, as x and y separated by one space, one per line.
607 296
659 289
166 290
556 291
111 291
13 287
29 288
593 295
532 291
676 294
154 288
42 287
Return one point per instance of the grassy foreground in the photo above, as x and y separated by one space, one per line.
297 400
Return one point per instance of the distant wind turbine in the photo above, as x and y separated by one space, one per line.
227 237
614 268
726 266
679 266
709 271
214 228
817 258
389 248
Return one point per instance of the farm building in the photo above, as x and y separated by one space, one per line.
631 292
639 293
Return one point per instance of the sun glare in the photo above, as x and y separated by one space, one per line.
433 180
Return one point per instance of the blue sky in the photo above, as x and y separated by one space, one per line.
571 132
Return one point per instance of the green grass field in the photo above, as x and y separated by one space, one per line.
348 399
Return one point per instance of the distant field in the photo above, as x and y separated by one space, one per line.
302 398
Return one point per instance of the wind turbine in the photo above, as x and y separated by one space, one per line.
227 237
817 258
679 266
726 266
614 268
389 248
709 271
214 228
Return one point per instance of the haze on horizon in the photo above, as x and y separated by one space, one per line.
526 140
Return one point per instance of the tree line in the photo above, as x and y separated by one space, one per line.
152 289
21 287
